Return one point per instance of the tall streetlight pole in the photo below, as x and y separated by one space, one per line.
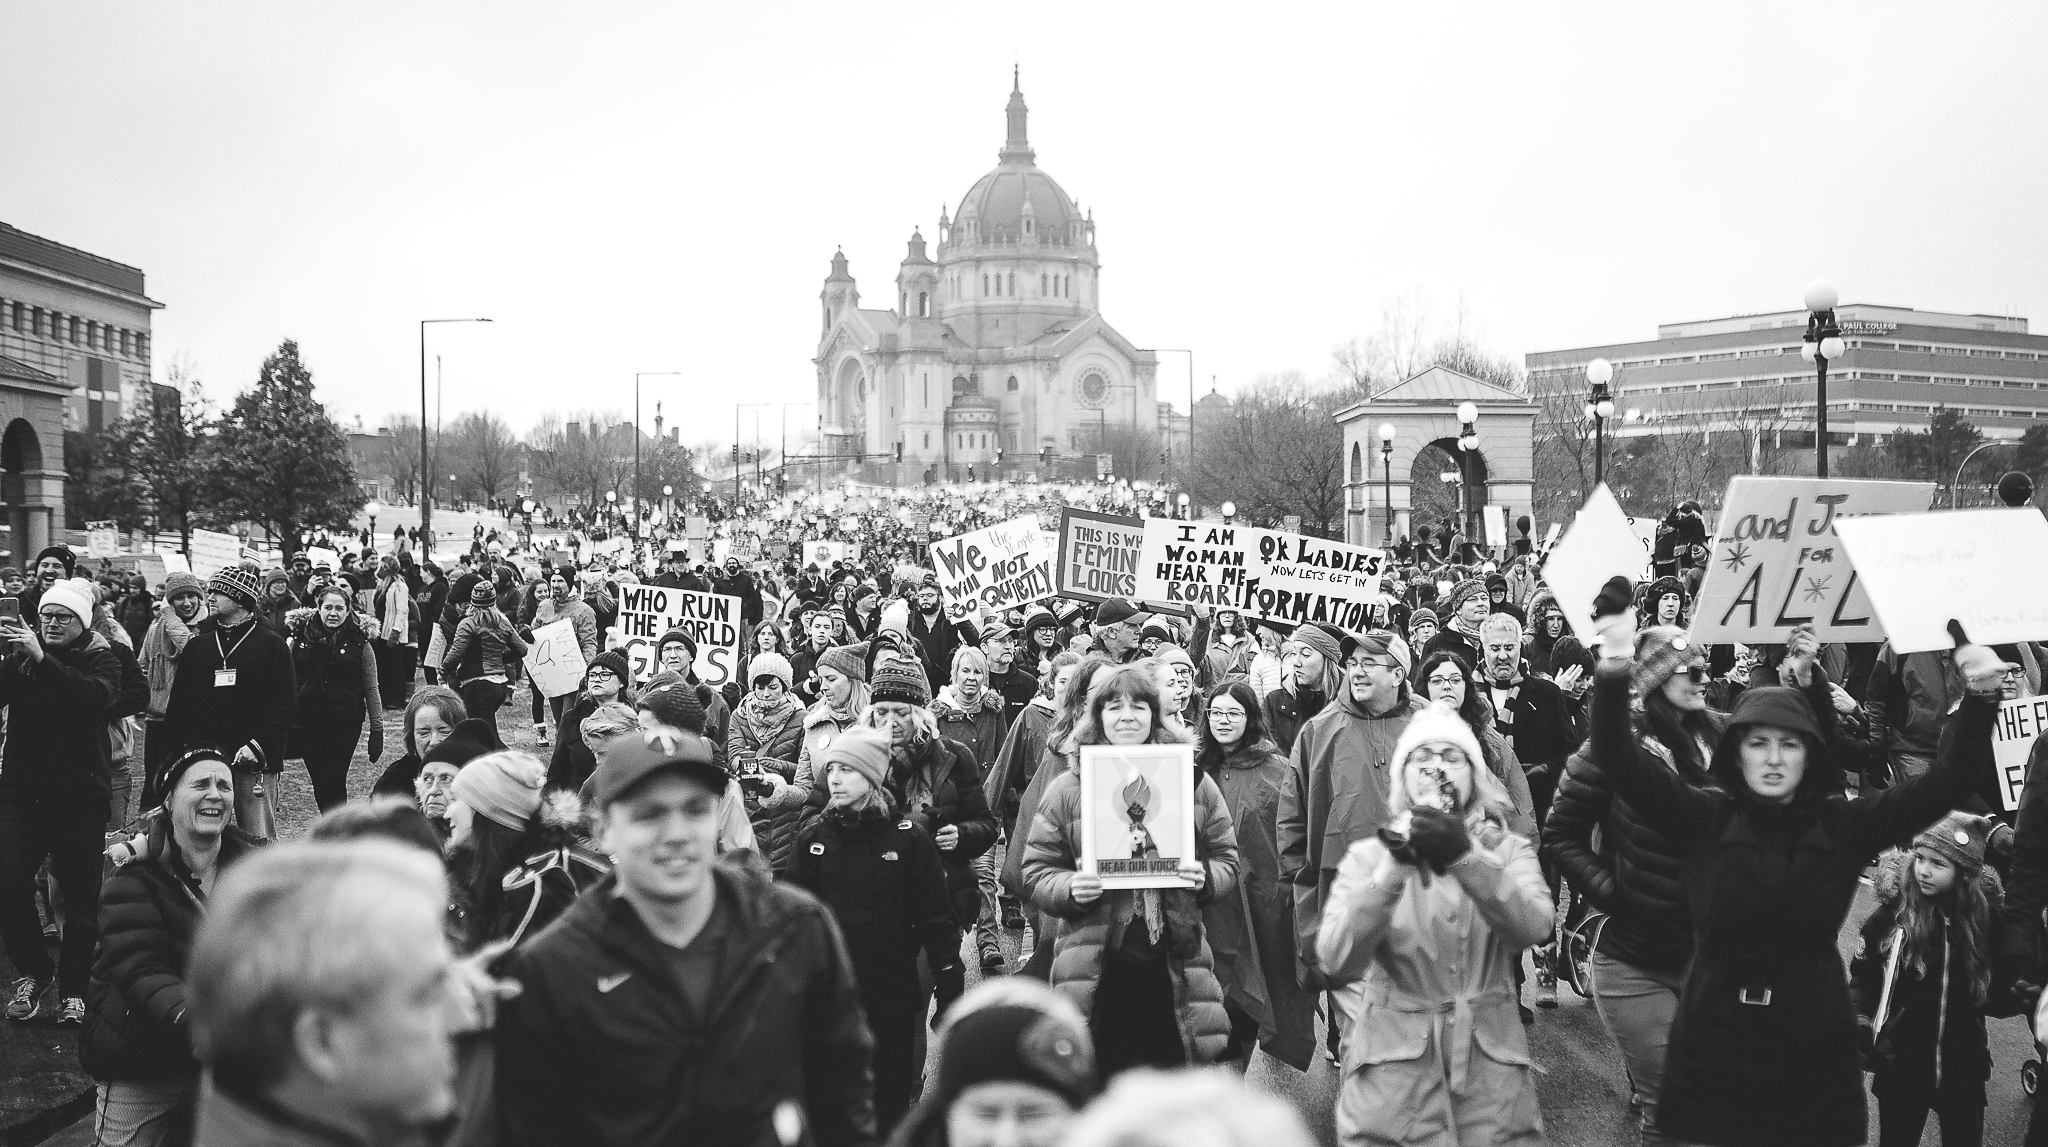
636 446
1956 485
1599 408
737 407
1468 441
1823 344
426 471
1387 475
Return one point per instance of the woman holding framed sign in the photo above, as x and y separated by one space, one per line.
1124 852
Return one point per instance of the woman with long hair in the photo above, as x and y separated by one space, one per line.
843 696
762 746
1041 641
1432 915
935 780
336 667
1069 704
1134 960
397 631
1314 675
135 1040
1252 932
482 654
766 637
1446 678
492 817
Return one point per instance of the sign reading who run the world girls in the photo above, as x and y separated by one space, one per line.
1261 573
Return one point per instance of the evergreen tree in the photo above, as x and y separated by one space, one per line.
280 460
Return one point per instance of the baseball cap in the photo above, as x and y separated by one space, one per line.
635 756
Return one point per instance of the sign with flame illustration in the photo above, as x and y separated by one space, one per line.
1137 814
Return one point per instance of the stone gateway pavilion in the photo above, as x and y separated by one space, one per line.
996 351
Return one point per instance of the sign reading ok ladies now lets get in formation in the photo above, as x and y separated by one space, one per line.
1775 563
1261 573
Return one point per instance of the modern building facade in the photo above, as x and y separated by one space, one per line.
1900 365
997 343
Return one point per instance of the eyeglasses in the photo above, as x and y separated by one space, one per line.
1448 754
603 675
1216 714
1446 681
2013 673
1697 674
55 617
1371 663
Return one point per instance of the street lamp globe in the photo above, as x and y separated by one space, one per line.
373 509
1604 408
1599 372
1230 509
611 497
668 491
1467 412
1806 350
1832 347
1183 501
1821 295
1387 433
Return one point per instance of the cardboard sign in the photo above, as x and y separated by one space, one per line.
150 566
2020 722
213 552
175 562
1496 519
1776 562
1097 558
1265 574
823 554
1980 568
316 555
1137 814
1600 545
102 539
1005 566
555 659
696 527
712 620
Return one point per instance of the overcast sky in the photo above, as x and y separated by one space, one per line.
660 186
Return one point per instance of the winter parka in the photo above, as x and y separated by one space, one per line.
772 739
541 887
980 727
57 756
1086 935
136 1025
939 784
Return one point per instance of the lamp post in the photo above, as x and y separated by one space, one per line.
737 407
1957 485
1191 396
1822 345
1387 475
1599 408
611 508
1468 441
526 508
1182 502
375 507
636 443
1229 512
426 464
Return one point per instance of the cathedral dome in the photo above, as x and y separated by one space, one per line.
996 202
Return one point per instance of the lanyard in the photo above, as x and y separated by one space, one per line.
230 651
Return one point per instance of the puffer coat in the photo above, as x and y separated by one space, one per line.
1086 935
1437 1056
541 887
136 1025
979 727
1251 933
939 783
771 738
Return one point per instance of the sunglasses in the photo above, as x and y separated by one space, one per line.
1697 674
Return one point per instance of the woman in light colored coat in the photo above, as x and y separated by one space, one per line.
1432 915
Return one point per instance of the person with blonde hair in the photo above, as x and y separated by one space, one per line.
1428 918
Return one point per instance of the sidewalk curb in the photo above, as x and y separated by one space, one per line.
48 1121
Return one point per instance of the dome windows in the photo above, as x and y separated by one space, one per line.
1012 385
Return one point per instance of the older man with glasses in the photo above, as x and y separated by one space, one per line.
1336 791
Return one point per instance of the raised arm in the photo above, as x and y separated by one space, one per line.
1897 813
1659 794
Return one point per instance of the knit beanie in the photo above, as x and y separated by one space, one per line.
1321 641
1463 592
1661 651
1421 615
1016 1043
607 721
846 659
677 636
483 593
237 583
901 682
502 787
175 771
770 665
74 594
1171 654
862 749
62 554
1154 631
674 704
1566 652
1959 836
177 583
613 660
1432 724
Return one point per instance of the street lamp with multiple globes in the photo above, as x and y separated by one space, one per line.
1387 475
1822 345
1468 441
426 464
1229 512
1599 408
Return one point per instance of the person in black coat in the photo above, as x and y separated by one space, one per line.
136 1040
336 666
935 781
886 885
61 684
236 690
1765 1048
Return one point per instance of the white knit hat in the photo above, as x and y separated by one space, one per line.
1434 724
74 594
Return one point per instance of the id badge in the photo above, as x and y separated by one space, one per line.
222 678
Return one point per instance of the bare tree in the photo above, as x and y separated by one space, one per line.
483 455
400 455
1282 453
579 457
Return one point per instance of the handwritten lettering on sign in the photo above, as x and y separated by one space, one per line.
1261 573
1003 566
711 619
1098 558
1978 568
1776 562
2019 726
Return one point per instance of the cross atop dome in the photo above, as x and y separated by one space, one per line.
1016 149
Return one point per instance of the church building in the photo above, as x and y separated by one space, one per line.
998 344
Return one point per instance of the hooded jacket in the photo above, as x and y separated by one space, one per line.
540 888
58 708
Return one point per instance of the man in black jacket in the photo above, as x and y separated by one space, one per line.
60 682
236 690
738 583
681 1000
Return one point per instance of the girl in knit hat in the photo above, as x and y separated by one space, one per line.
1013 1054
884 881
1922 984
763 745
842 697
605 681
1432 914
491 817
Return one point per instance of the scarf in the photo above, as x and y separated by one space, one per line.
764 716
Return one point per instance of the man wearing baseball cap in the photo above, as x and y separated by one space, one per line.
681 1000
235 690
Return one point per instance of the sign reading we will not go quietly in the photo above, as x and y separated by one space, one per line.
1261 573
1776 562
711 619
1003 566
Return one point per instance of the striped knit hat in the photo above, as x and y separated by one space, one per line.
902 682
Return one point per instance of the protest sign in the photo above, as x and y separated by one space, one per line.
1776 562
822 554
1979 568
1003 566
1281 577
1600 545
696 527
102 539
213 552
1496 519
1097 558
175 562
712 620
150 566
1137 814
554 659
2020 722
316 555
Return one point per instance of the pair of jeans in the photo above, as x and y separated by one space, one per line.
989 920
72 835
327 748
482 699
143 1113
1636 1006
1901 1119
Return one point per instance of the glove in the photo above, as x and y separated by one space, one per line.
1613 599
1438 837
376 741
1866 1038
951 985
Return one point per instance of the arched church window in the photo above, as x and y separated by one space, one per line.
924 305
984 284
1042 284
1013 383
1357 464
964 385
1013 283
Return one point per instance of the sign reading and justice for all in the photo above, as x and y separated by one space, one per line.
1003 566
1261 573
711 619
1775 562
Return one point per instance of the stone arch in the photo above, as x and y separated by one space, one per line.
31 493
1435 502
1357 464
850 400
1423 412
